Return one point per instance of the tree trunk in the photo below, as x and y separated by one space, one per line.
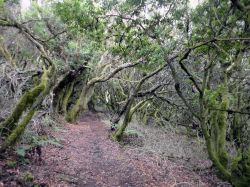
81 104
30 102
66 96
117 136
27 100
128 118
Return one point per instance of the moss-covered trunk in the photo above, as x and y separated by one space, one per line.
18 131
67 94
63 97
26 101
117 136
237 125
66 88
212 146
81 104
59 99
29 103
241 169
214 125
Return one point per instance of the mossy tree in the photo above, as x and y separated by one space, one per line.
199 35
81 104
129 110
66 88
203 50
13 126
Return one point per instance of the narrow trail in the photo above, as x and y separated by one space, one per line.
88 158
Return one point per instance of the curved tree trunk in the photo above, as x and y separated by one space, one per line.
65 101
15 125
130 111
81 104
64 89
26 101
87 91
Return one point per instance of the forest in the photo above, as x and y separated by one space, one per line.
125 93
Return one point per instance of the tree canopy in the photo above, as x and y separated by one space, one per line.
152 59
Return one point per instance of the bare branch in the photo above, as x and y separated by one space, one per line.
151 91
113 73
29 36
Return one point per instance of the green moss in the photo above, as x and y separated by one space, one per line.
72 114
30 102
58 108
218 121
216 140
139 105
224 172
117 136
241 170
26 101
237 125
221 139
67 94
18 131
214 130
81 103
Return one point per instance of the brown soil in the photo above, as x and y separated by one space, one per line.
88 158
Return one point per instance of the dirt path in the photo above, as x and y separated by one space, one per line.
89 158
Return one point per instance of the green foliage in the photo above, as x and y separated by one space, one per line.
40 141
21 151
213 96
82 16
153 32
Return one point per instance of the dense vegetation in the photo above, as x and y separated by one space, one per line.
159 61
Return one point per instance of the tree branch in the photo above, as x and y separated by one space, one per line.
114 72
230 111
29 36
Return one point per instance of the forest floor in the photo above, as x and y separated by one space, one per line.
88 158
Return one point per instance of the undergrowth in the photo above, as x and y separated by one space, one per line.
39 134
165 141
